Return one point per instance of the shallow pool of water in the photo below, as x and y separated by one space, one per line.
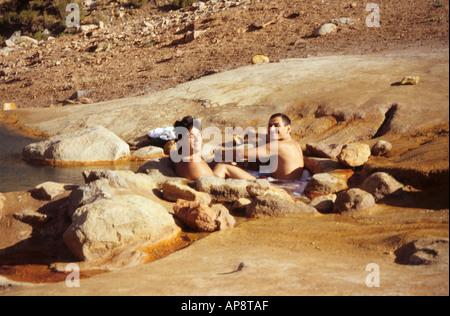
19 175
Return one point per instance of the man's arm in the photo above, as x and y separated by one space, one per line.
261 153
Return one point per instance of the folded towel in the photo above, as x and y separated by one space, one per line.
167 133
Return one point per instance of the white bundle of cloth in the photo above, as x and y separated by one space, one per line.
166 133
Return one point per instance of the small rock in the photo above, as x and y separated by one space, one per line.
87 28
323 150
321 165
85 100
381 185
9 43
201 217
224 220
381 148
260 59
353 200
25 40
424 251
273 206
173 191
326 29
89 193
343 21
325 184
148 152
241 204
31 217
262 23
200 5
192 35
78 94
354 155
410 80
228 190
48 191
255 191
113 178
324 204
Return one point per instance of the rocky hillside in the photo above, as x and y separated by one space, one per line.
125 51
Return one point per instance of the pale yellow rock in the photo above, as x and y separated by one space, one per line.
411 80
260 59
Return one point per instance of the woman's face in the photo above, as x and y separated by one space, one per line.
195 140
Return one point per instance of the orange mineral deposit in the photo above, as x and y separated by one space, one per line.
9 106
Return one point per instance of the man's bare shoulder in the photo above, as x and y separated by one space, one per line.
289 143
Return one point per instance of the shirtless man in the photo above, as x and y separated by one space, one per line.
287 161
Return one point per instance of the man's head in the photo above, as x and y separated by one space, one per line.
279 126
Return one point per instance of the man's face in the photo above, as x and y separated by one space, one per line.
277 129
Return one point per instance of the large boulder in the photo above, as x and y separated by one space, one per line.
91 145
325 29
106 227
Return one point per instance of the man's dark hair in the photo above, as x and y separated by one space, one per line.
187 123
286 120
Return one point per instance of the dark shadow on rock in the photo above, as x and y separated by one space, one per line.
46 244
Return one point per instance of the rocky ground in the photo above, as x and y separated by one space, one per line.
347 91
152 52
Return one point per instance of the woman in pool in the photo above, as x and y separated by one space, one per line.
187 155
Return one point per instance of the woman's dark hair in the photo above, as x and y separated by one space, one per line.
187 123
